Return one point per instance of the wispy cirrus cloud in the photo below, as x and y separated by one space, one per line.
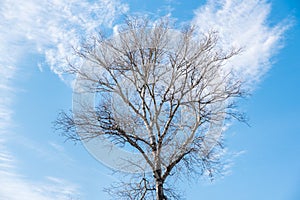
14 186
6 74
48 28
244 24
51 28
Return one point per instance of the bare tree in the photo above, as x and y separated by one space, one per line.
160 92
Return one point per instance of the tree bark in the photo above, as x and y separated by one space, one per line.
159 185
160 190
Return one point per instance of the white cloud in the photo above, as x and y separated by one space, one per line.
49 28
15 187
243 24
52 27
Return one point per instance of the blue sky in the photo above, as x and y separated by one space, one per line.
35 37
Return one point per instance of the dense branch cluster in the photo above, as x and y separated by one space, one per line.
159 91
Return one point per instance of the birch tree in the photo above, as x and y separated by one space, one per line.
162 93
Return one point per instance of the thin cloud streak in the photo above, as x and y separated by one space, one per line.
243 24
14 186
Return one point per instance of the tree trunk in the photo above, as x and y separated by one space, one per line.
160 190
159 184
